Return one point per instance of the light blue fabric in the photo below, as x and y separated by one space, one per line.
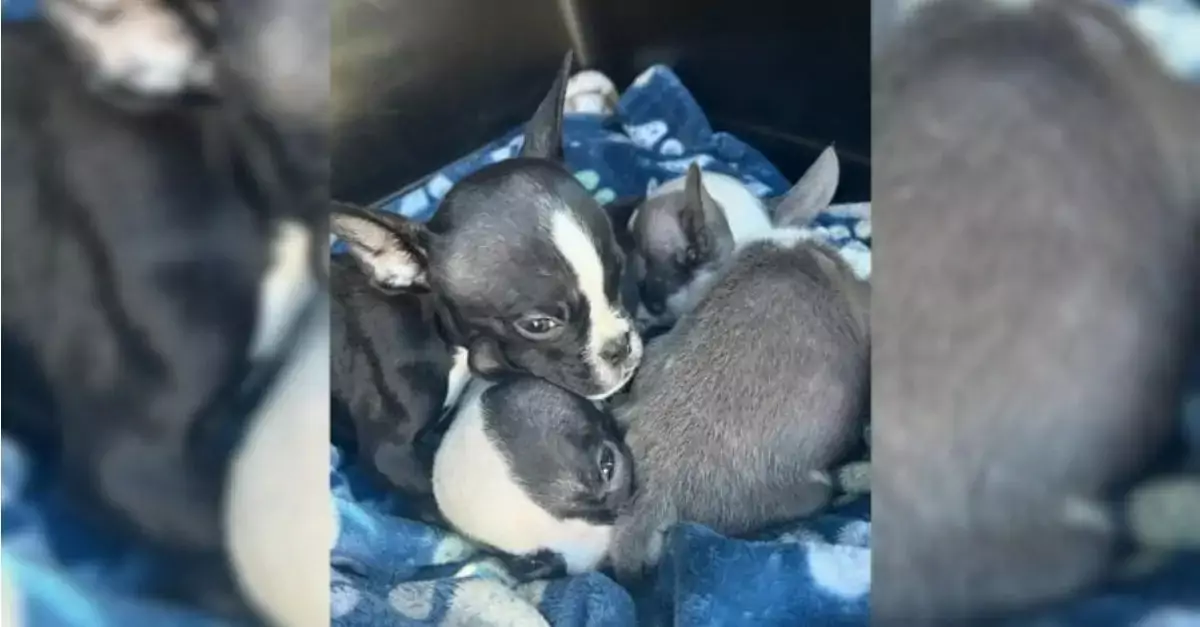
20 9
388 570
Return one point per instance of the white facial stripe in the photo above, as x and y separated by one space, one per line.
608 321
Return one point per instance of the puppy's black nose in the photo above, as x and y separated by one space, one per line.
617 351
654 305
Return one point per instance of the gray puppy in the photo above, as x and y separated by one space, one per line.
739 411
1037 204
688 229
683 233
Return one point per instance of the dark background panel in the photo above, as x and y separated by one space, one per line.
417 84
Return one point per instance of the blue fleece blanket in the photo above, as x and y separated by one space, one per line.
389 570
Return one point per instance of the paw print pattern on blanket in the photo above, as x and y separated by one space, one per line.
388 570
662 132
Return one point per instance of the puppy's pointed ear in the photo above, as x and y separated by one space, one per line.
699 212
543 133
812 193
390 249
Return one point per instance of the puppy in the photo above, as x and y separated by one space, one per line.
131 279
159 236
279 521
741 409
810 195
683 233
524 268
140 54
145 55
391 368
1037 199
690 227
534 471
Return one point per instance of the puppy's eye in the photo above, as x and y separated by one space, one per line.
606 462
691 257
539 327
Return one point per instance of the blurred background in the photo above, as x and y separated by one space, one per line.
418 84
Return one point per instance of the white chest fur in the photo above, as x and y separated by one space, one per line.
460 375
285 288
476 492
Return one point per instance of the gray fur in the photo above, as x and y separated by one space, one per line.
678 236
741 406
679 240
1035 182
811 194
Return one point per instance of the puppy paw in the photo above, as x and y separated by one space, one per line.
1141 564
636 548
590 92
137 51
544 564
1164 513
854 478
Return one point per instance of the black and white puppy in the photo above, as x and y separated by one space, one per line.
534 471
145 225
1038 299
131 275
758 391
143 55
393 371
524 267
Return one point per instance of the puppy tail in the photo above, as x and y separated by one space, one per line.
1161 514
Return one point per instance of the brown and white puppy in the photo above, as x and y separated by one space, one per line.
1035 188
